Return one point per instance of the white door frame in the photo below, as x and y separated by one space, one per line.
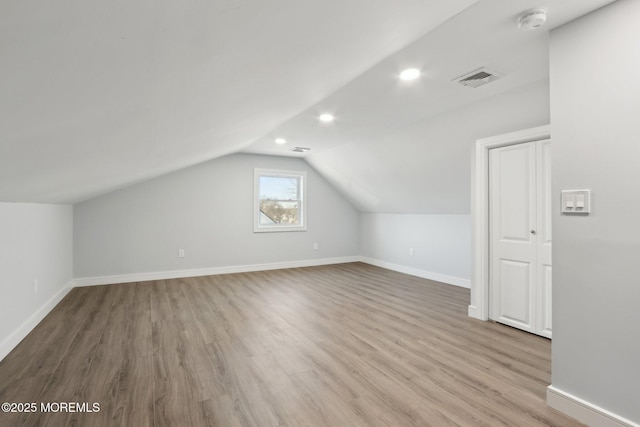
479 307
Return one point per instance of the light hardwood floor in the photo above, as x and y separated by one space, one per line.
342 345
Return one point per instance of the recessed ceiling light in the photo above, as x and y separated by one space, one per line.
410 74
281 141
326 118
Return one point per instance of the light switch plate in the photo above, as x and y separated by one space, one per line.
572 199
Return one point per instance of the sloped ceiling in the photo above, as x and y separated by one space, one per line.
95 96
405 147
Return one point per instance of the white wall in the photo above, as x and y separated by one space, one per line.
595 108
423 171
423 168
208 211
35 244
441 244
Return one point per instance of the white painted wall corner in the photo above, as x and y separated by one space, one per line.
28 325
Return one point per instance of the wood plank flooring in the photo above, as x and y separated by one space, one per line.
340 345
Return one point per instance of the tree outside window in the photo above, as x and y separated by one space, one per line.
280 200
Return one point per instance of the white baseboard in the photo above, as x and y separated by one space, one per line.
27 326
14 339
584 411
176 274
473 312
451 280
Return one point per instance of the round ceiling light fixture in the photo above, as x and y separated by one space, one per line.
532 20
410 74
280 141
326 118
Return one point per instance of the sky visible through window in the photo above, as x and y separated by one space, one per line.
280 200
278 188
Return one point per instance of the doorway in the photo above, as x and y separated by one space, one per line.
520 236
479 305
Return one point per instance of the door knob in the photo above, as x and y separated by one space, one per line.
533 231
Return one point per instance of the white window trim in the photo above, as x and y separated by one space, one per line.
260 228
479 307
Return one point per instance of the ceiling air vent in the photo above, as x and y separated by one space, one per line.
478 77
300 149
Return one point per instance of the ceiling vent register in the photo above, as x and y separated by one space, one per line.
300 149
479 77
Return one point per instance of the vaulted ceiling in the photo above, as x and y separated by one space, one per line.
95 96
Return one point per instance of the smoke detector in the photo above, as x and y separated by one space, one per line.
479 77
532 19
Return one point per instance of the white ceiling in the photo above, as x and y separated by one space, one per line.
95 96
405 147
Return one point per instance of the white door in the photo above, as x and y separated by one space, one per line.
520 236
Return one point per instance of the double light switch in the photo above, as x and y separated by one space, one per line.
576 201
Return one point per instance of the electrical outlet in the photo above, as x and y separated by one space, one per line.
315 246
410 251
180 253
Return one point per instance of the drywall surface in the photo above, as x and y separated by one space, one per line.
207 210
423 168
35 245
433 244
595 93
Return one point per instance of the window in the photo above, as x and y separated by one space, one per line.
279 201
